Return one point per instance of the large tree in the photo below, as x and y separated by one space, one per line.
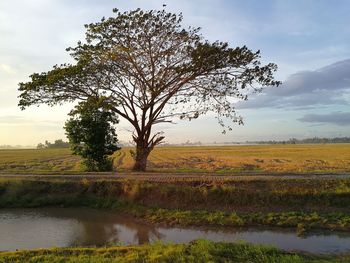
152 69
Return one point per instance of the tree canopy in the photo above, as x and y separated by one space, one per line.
91 134
151 69
57 144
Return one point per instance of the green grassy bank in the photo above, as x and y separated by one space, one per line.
198 251
304 204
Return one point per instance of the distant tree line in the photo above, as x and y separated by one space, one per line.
314 140
187 143
307 140
57 144
7 146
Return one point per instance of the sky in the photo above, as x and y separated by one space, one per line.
308 40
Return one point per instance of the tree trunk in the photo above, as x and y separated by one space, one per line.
141 158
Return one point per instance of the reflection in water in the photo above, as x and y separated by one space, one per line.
112 228
62 227
84 226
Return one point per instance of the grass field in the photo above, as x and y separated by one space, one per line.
198 251
33 161
258 158
320 158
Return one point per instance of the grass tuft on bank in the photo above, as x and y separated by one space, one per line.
196 251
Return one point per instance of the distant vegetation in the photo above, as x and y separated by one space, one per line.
7 146
56 145
314 140
307 140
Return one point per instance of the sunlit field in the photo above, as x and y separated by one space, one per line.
33 161
325 158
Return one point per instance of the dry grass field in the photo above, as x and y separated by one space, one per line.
33 161
328 158
320 158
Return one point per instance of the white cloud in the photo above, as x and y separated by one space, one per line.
307 89
336 118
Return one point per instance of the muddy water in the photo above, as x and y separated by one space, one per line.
63 227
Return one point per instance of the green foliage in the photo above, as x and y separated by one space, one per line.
91 133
